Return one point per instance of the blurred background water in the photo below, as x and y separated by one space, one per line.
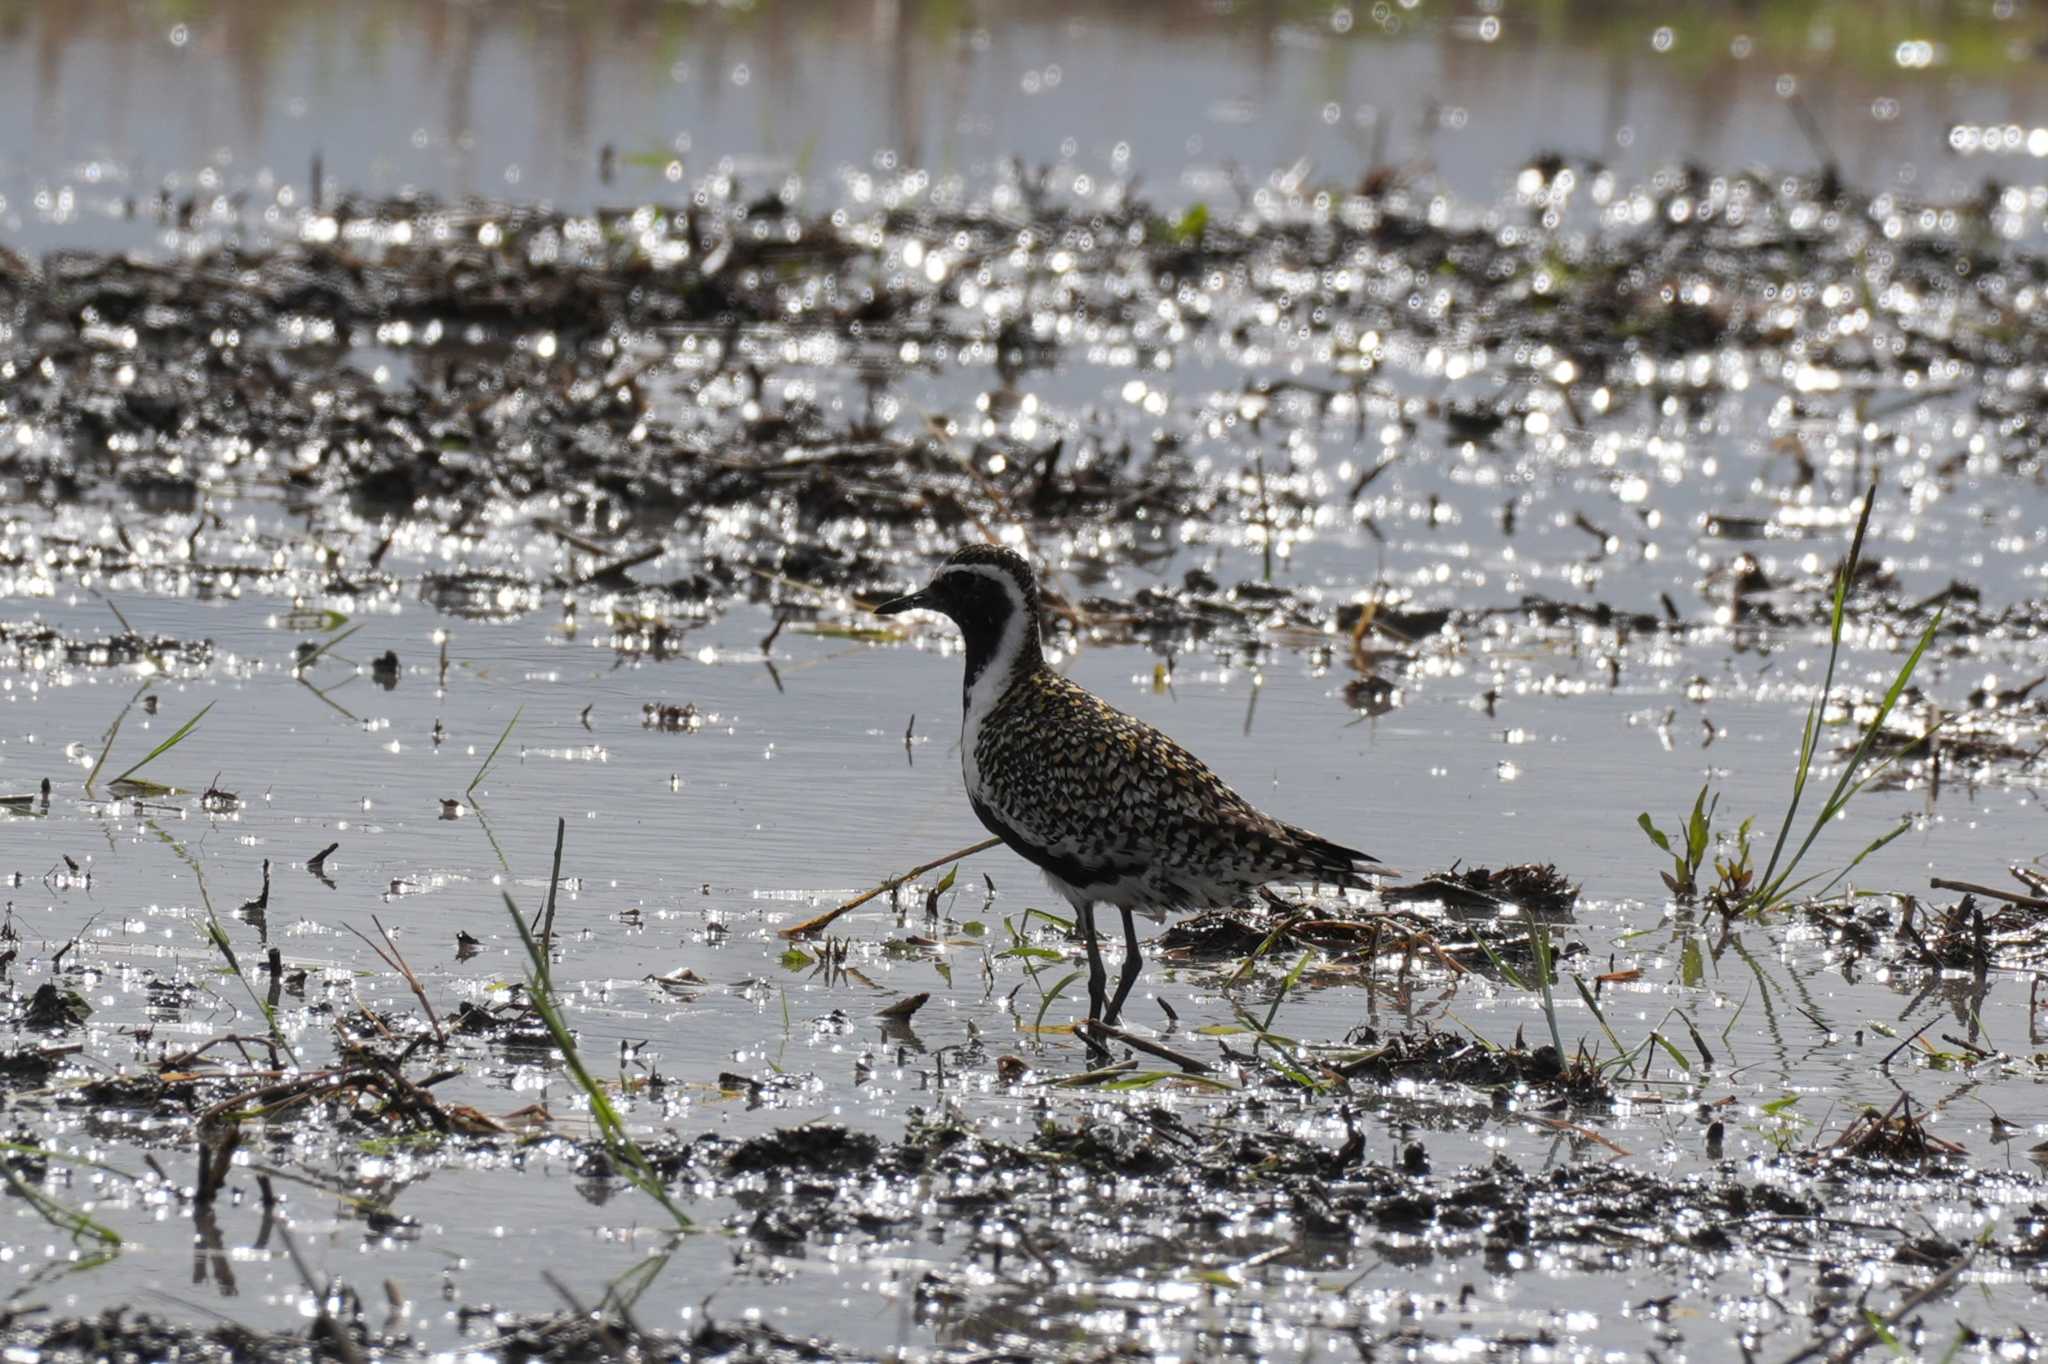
599 102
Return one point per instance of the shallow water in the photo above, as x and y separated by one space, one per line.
1543 466
685 851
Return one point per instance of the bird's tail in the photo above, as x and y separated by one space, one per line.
1323 860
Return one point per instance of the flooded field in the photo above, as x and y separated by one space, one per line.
439 695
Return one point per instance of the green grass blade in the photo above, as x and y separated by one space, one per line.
1045 1004
166 746
1811 738
626 1152
1843 583
1594 1005
217 936
1706 1056
1884 711
1671 1050
1507 972
1857 861
1286 985
1735 1018
1145 1079
113 732
1539 943
1846 787
492 756
1244 968
1477 1036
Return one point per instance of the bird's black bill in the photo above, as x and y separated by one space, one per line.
909 603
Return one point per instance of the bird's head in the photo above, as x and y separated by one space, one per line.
991 594
978 583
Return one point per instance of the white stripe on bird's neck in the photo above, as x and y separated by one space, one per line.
985 687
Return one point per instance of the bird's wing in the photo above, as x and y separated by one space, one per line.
1087 783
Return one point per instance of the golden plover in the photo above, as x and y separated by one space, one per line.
1112 810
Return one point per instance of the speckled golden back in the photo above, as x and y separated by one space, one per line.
1104 795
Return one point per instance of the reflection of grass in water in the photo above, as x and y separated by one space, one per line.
83 1228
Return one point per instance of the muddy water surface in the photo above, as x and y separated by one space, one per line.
1463 522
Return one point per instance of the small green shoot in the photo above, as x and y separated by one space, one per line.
1599 1014
1145 1079
1735 873
1697 832
931 902
1883 1331
1288 984
492 756
1500 965
1045 1003
218 937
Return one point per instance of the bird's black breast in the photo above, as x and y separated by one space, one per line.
1066 866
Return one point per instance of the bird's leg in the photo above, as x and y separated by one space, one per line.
1098 978
1133 959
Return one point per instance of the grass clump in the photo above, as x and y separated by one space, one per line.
1737 887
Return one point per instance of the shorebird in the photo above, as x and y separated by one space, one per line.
1111 810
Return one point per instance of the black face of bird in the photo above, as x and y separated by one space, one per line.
986 598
